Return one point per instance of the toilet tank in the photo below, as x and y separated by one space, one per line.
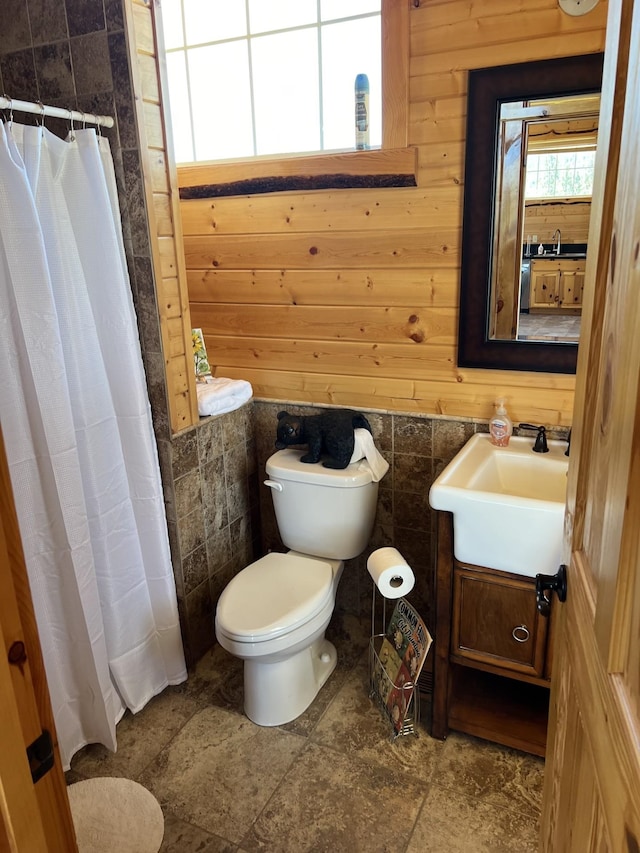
320 511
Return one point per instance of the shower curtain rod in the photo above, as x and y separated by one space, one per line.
43 110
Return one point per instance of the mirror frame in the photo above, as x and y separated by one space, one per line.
488 89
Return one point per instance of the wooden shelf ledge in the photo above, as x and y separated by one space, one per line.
346 170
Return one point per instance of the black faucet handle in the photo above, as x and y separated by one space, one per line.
540 445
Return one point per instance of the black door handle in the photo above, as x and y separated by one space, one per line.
546 584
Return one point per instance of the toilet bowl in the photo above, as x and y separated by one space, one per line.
274 613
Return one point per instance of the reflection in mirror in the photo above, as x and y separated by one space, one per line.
530 153
544 169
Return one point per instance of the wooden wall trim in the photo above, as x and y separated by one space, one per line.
395 73
399 162
162 207
296 183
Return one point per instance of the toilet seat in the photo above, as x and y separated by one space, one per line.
273 596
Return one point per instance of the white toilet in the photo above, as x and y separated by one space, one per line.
274 613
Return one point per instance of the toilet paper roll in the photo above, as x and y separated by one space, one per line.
390 572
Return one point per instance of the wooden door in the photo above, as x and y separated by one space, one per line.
34 817
592 775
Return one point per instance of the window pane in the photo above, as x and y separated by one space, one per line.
285 88
585 159
350 49
330 9
220 99
171 13
265 15
298 106
179 107
214 20
565 174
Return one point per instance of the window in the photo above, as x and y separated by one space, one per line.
249 77
560 174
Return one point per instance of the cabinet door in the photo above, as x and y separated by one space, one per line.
544 288
571 287
496 623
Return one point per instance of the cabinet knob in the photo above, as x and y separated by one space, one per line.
520 634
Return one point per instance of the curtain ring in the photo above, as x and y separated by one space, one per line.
10 107
42 114
84 120
72 135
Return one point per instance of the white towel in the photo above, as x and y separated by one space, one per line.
366 449
217 396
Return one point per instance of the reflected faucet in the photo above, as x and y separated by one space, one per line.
557 231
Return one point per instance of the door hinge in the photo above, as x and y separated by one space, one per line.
40 756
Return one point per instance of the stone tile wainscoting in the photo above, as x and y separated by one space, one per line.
416 448
221 516
213 517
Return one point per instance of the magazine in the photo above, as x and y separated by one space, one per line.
397 665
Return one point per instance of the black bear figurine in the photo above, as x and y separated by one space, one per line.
330 433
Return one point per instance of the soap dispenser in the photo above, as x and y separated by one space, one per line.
500 425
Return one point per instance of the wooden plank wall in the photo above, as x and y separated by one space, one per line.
570 216
350 297
161 193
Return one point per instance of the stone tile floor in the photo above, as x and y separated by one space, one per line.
549 327
332 780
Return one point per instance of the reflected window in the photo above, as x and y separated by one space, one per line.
562 173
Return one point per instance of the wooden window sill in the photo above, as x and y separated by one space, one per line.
393 167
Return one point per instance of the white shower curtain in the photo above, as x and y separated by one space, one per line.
77 427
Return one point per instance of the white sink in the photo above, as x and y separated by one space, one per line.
507 504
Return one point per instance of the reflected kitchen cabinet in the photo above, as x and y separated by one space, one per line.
556 285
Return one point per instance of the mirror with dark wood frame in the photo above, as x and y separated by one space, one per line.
489 89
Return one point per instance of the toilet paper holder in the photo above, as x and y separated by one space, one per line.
381 683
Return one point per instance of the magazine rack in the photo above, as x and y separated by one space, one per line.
381 683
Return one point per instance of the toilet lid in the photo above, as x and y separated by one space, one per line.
273 596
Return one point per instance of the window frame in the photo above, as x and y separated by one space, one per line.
393 158
563 194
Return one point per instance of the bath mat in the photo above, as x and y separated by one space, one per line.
112 815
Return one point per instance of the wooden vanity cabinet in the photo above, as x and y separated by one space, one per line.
492 653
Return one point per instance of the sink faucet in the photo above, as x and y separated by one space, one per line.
540 445
557 231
